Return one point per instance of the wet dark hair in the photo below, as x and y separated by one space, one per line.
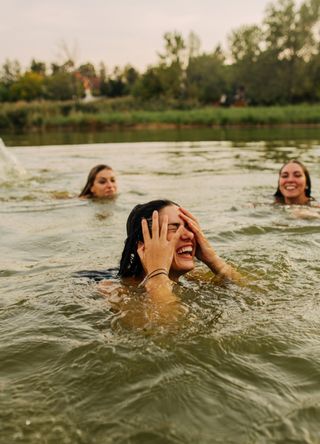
130 264
279 196
86 192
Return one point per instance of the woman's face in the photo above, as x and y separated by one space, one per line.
105 184
183 258
292 184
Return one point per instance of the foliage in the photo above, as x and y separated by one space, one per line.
274 62
62 86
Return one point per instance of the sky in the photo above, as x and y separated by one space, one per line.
115 32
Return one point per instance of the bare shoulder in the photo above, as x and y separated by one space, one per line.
307 213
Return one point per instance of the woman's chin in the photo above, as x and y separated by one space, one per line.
183 265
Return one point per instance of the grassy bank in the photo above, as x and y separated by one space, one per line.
125 112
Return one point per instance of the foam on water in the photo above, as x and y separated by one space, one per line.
9 165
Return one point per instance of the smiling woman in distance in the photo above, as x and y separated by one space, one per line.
101 183
294 185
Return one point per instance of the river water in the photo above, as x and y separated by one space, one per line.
242 367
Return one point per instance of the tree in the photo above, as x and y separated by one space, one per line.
149 85
246 43
131 76
28 87
63 86
87 70
290 30
206 77
174 49
38 67
193 46
10 72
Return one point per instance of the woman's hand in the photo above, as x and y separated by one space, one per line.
156 251
204 251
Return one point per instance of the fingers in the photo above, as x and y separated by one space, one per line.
145 230
192 223
155 225
164 227
154 228
187 213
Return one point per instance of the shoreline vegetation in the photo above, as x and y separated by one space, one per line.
267 76
125 113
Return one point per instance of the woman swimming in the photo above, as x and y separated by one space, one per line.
163 240
101 183
294 184
294 188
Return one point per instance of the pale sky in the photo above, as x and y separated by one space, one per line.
116 32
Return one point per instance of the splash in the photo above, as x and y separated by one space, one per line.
9 165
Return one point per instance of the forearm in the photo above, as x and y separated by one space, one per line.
218 266
159 289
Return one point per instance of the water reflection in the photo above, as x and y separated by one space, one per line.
271 136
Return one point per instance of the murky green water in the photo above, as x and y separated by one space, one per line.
243 367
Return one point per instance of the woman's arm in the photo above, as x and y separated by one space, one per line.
205 252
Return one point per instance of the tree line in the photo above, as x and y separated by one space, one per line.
275 62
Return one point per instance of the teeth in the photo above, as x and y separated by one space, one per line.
185 250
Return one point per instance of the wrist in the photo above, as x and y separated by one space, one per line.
155 273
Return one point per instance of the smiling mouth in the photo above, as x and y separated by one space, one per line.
185 251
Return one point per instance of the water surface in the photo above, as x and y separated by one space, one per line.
242 367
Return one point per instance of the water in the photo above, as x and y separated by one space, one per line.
242 367
9 166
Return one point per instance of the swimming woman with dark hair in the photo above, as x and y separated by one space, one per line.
163 240
101 183
294 184
294 188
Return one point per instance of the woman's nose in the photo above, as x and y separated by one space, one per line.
187 234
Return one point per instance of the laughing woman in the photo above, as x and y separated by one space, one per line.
294 184
294 188
163 241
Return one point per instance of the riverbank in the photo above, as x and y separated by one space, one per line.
126 113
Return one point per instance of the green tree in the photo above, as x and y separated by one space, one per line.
63 86
245 44
174 49
28 87
131 76
206 78
10 72
290 32
38 67
149 85
87 70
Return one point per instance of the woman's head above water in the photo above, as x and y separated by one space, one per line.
169 213
101 183
294 184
